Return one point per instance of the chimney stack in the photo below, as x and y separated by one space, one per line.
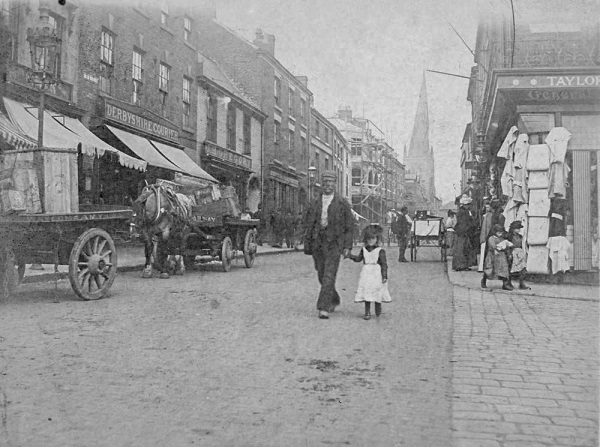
345 114
264 41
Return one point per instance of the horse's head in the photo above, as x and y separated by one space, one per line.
149 213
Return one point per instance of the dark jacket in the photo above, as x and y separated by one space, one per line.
340 223
400 226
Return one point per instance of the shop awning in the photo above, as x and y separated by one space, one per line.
91 144
63 132
144 149
14 136
183 161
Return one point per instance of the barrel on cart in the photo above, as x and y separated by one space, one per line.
427 231
80 240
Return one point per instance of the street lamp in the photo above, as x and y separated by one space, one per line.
311 178
43 45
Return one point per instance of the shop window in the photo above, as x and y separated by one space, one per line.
186 101
136 75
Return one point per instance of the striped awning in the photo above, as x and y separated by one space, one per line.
14 136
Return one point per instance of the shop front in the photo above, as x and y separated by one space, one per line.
282 192
558 111
142 136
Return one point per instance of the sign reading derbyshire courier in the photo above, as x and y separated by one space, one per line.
120 115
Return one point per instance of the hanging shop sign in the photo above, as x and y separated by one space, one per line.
119 114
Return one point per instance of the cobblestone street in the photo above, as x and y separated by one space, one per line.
525 370
240 359
228 359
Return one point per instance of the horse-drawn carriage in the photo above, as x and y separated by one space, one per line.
194 223
427 231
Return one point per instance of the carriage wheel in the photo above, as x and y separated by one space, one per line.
249 248
93 264
226 253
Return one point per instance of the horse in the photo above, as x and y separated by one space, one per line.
162 217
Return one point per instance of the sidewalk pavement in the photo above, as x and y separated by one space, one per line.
471 279
130 258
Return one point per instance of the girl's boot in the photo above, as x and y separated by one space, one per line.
506 284
367 311
484 282
522 284
377 309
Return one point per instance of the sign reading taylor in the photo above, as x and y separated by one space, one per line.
123 116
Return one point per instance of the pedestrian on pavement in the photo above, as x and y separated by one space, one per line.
401 228
484 233
464 229
328 226
518 258
261 228
277 225
288 225
450 235
298 230
372 283
495 265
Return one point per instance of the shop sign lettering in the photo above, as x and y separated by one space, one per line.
131 119
574 81
559 95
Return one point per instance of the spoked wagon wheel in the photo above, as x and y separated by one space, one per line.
226 253
93 264
249 248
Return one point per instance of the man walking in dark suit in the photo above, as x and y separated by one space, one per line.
328 226
401 228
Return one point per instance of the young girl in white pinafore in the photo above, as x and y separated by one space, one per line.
372 284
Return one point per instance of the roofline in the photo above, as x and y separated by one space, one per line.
238 98
272 60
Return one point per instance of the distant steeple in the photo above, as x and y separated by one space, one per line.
420 152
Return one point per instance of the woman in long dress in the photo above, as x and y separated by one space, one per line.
464 228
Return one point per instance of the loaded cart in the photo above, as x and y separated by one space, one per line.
80 240
427 231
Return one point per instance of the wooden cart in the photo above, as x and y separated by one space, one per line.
428 231
218 238
80 240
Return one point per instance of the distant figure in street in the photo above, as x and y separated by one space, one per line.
288 228
495 265
464 229
298 230
372 283
277 226
518 258
401 228
450 223
327 235
262 225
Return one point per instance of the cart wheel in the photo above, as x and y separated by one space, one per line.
93 264
226 253
249 248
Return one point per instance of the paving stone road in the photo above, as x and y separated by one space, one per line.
228 359
525 370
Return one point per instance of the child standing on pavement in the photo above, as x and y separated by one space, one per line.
372 283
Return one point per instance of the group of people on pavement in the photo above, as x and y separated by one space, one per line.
280 228
502 253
